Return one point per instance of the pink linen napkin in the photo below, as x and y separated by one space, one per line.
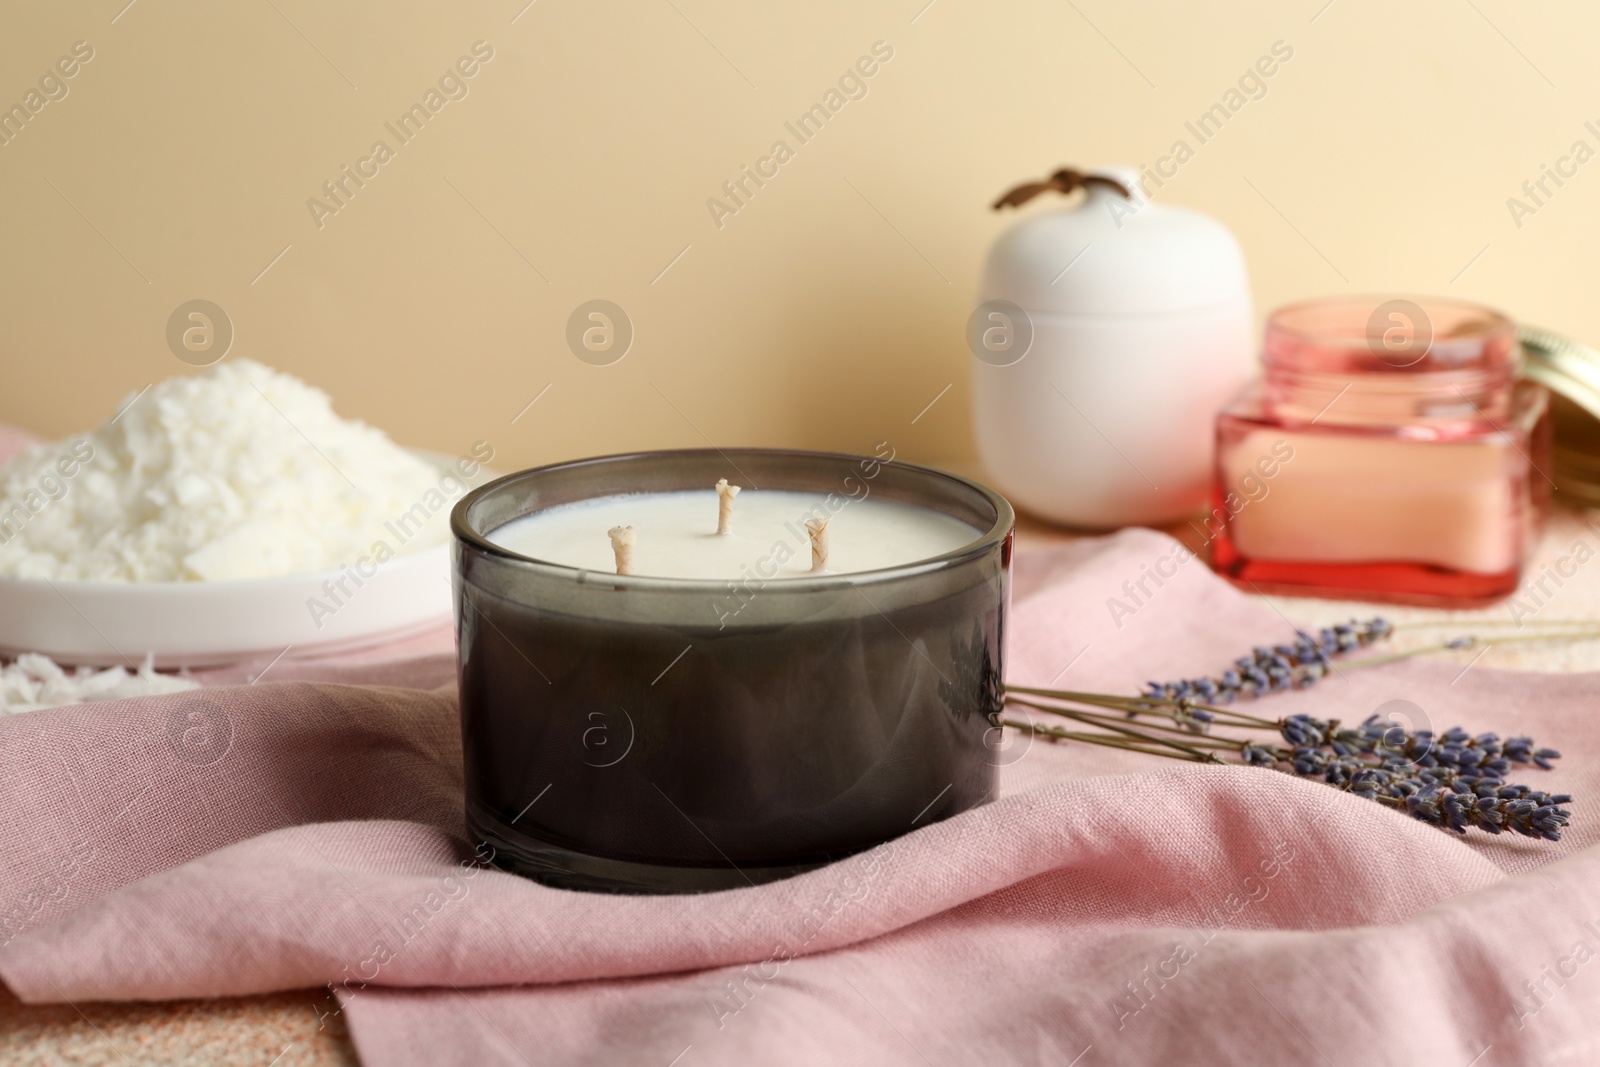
1109 908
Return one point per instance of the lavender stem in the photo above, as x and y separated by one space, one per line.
1114 724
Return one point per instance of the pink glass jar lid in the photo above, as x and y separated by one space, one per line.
1377 334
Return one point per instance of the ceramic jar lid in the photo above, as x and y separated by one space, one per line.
1110 255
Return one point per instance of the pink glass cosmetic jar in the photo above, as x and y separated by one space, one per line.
1389 451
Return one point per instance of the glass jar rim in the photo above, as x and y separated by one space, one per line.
1389 334
467 532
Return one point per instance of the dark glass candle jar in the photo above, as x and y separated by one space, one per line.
638 734
1390 451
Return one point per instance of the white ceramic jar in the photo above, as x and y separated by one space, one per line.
1140 323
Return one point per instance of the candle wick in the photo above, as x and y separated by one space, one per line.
623 538
818 529
725 495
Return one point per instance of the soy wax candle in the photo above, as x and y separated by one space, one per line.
676 535
734 706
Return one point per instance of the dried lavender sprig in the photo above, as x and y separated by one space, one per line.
1454 780
1531 814
1185 709
1056 733
1467 641
1309 660
1107 722
1443 797
1123 729
1205 713
1270 669
1455 748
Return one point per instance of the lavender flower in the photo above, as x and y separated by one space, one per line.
1453 780
1276 668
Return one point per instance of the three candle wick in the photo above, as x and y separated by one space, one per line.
624 538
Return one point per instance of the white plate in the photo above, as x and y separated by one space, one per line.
205 624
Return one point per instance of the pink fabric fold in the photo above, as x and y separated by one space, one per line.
1109 905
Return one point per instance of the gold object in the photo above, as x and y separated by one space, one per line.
1571 371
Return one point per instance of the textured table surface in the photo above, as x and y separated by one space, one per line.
282 1030
295 1030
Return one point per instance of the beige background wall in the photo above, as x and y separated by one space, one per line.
829 311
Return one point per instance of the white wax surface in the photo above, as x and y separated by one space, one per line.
677 535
